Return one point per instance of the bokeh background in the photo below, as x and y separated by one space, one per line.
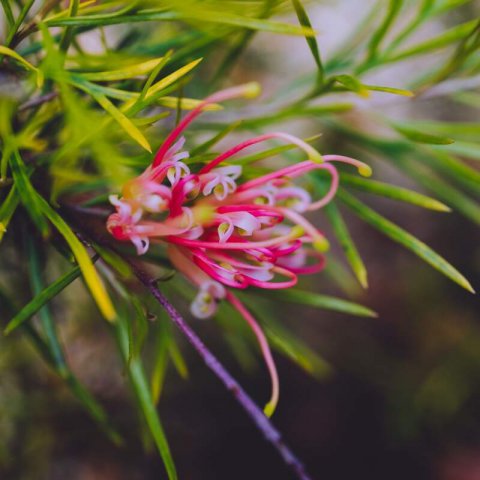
401 398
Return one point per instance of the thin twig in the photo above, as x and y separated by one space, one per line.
253 411
35 102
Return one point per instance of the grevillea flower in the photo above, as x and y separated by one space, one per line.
223 235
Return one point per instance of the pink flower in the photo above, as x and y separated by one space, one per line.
222 234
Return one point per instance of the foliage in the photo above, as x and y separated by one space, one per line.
79 124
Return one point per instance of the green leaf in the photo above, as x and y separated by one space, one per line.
122 120
8 13
172 78
285 341
215 17
465 149
160 363
452 167
446 38
57 355
28 195
346 242
7 210
311 40
67 35
142 391
18 22
394 8
393 192
454 197
352 84
41 299
204 147
129 71
326 302
91 276
421 137
406 239
393 91
11 53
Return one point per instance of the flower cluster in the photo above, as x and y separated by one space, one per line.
222 231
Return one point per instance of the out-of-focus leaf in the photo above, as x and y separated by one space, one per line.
346 242
123 121
223 18
42 299
11 53
394 192
144 397
204 147
297 112
93 408
28 195
326 302
172 78
441 160
8 12
115 261
466 131
91 276
404 238
422 137
446 38
454 197
311 40
160 363
285 341
7 210
353 84
465 149
392 90
394 7
130 71
271 152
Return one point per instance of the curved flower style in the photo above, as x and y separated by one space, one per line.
223 234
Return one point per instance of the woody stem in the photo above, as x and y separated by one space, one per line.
253 411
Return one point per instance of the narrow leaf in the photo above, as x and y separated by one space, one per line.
393 91
394 192
91 276
422 137
28 195
311 40
11 53
404 238
353 84
41 299
130 71
346 242
172 78
123 121
326 302
145 400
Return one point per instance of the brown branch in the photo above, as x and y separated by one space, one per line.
253 411
90 225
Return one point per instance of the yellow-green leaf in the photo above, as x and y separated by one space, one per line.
123 73
122 120
406 239
11 53
92 279
173 77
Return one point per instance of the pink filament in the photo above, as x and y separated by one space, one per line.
267 354
234 245
227 94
